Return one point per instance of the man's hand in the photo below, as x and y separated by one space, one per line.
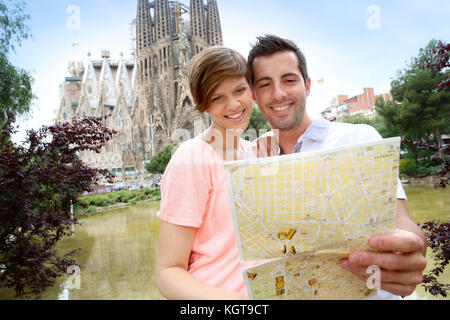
399 256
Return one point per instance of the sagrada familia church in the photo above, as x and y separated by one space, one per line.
148 96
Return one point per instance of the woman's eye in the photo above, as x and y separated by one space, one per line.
215 99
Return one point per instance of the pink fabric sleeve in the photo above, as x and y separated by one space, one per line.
185 187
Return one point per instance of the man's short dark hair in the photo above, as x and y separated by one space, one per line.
270 44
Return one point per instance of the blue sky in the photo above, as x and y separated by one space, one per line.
346 44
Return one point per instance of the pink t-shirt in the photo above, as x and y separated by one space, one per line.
194 194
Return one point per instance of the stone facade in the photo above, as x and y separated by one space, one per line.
148 96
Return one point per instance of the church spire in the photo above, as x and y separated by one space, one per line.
213 24
198 19
163 21
143 25
198 26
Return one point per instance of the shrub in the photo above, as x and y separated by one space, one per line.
92 209
156 195
159 162
124 196
408 167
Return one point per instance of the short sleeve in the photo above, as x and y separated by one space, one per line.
185 186
372 135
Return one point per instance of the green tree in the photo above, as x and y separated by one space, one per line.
385 129
15 83
420 108
257 120
257 125
159 162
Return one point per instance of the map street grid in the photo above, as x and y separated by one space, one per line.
308 211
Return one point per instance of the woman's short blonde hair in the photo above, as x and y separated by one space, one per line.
209 68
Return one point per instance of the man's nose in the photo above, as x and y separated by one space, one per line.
278 93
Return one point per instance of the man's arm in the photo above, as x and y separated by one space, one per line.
400 256
403 221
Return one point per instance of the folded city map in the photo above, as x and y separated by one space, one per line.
302 213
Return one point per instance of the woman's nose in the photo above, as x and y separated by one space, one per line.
233 104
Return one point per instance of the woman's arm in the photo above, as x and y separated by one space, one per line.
173 280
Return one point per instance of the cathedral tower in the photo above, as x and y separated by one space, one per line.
165 45
198 26
144 36
163 21
213 24
147 96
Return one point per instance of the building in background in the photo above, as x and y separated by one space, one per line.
148 95
362 104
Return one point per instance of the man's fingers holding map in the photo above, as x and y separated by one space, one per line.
398 241
397 282
411 278
389 261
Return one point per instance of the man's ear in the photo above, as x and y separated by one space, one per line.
308 86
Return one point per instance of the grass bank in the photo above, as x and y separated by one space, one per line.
91 204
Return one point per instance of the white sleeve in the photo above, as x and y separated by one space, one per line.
400 192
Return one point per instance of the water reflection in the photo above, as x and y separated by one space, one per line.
426 204
120 263
118 256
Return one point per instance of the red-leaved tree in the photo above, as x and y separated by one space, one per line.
438 239
38 183
439 61
438 233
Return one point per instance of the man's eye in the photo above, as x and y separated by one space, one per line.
262 85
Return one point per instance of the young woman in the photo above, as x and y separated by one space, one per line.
198 256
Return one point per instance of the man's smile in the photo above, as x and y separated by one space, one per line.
282 108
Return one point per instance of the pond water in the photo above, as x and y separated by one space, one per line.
117 258
119 249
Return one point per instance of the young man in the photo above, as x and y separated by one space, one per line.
279 78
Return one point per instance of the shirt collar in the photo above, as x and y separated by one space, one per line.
316 131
